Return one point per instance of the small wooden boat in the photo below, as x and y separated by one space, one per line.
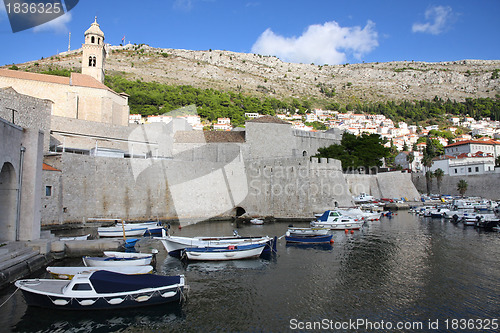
175 244
84 237
294 231
308 239
129 229
66 273
102 290
230 252
113 259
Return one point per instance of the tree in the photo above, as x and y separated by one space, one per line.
428 180
462 187
410 158
439 173
366 150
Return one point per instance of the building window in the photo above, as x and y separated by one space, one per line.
48 191
470 169
92 61
477 169
92 39
456 170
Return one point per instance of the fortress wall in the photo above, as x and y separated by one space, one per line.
307 143
485 186
383 185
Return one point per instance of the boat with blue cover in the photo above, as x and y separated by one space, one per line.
102 290
230 252
335 220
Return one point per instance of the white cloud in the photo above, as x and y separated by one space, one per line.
320 44
58 25
439 19
185 5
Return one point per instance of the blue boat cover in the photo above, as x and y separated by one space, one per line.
111 282
324 217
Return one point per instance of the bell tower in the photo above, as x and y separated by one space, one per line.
94 52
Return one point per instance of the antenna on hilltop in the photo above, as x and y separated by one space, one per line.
69 42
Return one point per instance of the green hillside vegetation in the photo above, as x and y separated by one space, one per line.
152 98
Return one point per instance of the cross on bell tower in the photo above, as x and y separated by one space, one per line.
94 52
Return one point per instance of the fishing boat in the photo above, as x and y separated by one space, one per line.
257 221
175 244
114 259
122 229
308 239
334 220
66 273
102 290
84 237
230 252
294 231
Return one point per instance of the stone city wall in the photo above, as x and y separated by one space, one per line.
485 186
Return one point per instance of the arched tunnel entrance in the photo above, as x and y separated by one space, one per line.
8 202
239 211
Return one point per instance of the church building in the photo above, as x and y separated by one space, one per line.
80 96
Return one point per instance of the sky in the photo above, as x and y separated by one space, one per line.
313 31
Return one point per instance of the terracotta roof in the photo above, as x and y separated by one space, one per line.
481 142
49 168
77 79
209 137
268 119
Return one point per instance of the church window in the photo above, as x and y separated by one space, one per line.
90 61
92 39
93 61
98 41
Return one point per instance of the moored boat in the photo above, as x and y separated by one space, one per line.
113 259
130 229
308 239
294 231
102 290
66 273
230 252
84 237
257 221
335 221
175 244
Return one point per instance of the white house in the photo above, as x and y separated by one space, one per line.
464 164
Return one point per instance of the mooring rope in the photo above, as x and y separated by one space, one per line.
9 297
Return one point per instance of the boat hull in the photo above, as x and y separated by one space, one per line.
312 239
115 262
35 295
66 273
338 225
228 253
174 245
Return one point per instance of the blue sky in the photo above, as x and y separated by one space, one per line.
312 31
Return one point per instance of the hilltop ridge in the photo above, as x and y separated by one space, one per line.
269 76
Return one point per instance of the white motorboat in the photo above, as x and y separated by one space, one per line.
230 252
257 221
66 273
128 229
114 259
334 220
363 197
84 237
102 290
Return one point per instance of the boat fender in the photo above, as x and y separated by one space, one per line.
169 294
231 247
87 302
61 302
143 298
115 301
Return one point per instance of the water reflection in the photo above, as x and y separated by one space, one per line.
43 320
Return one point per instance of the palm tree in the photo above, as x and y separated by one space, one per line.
439 173
410 158
428 179
462 187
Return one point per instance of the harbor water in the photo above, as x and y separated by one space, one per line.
399 274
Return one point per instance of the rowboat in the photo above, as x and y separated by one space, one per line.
308 239
231 252
102 290
130 229
66 273
294 231
114 259
175 244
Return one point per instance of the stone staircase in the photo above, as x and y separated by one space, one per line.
18 260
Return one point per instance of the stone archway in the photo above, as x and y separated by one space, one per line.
8 202
239 211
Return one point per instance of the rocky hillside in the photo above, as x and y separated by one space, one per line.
262 75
